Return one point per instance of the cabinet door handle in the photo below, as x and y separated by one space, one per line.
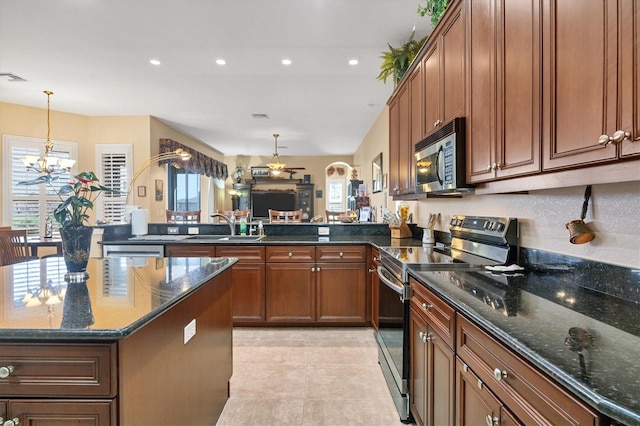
491 421
426 307
6 371
13 422
500 374
618 136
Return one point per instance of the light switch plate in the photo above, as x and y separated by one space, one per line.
324 230
172 230
189 331
193 230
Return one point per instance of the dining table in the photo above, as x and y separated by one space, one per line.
36 242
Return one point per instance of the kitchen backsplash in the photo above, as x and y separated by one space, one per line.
613 215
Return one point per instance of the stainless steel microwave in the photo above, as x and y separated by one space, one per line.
440 161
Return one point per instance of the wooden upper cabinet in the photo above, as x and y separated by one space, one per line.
444 67
394 142
504 77
629 72
580 56
416 105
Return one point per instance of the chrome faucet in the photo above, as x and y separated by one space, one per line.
231 222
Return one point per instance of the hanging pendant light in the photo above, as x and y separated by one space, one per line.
50 163
276 166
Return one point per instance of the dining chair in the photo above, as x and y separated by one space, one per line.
14 247
285 216
174 216
237 214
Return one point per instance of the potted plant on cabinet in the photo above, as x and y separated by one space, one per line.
433 8
396 61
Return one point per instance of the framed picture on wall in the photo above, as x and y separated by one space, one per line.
159 189
142 191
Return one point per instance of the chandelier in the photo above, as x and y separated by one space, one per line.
49 164
276 166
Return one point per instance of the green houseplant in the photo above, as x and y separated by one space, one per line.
433 8
396 61
77 199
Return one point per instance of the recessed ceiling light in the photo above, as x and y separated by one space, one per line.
154 62
353 62
286 62
220 61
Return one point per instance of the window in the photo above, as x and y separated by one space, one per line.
114 169
27 207
184 190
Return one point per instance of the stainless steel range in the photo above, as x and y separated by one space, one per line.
475 242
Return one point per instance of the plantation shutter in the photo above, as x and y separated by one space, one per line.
114 171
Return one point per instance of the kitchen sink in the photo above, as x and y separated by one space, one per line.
230 238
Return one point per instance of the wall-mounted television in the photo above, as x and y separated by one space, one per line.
262 201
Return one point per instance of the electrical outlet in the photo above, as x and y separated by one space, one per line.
189 331
193 230
172 230
324 230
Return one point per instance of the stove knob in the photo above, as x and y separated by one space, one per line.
453 222
499 226
486 224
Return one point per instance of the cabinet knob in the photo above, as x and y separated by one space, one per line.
491 421
500 374
290 254
371 270
437 123
318 269
426 307
341 254
6 371
425 337
376 259
488 167
12 422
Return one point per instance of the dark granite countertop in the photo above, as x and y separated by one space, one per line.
120 296
537 313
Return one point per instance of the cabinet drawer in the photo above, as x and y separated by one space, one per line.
341 253
59 370
440 316
291 254
530 395
244 254
79 412
189 250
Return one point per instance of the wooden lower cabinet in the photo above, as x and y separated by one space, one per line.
432 364
529 395
248 283
290 292
61 412
341 293
476 405
189 250
374 262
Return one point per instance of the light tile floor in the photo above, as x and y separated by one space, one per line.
307 376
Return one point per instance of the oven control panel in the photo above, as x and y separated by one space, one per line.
502 230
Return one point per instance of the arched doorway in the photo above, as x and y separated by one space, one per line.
337 182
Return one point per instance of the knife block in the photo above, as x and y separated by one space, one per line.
401 231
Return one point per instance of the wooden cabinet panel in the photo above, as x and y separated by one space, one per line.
476 405
580 56
375 286
341 253
63 412
341 293
504 77
452 44
629 75
244 254
416 106
418 367
248 293
533 398
431 70
404 144
290 292
291 253
439 314
63 370
394 146
189 250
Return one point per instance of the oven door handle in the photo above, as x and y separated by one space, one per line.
393 286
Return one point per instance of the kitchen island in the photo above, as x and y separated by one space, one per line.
137 341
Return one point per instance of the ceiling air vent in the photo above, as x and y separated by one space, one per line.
260 116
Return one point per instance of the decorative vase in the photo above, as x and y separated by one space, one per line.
76 244
76 310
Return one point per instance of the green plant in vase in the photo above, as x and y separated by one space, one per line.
396 61
73 214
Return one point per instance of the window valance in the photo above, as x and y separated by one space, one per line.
199 163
